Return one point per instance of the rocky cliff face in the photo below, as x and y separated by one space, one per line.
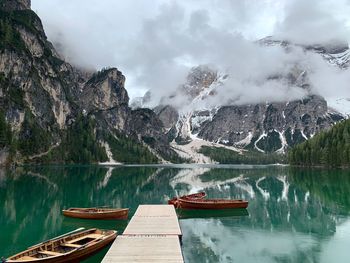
269 127
36 85
10 5
42 97
51 111
265 127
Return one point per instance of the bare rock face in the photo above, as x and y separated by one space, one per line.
145 124
42 96
264 127
11 5
269 127
168 115
199 79
104 95
104 90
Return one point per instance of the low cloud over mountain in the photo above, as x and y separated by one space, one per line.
156 44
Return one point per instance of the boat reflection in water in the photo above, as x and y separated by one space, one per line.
295 215
208 213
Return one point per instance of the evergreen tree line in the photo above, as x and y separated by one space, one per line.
81 144
329 148
32 138
9 36
127 150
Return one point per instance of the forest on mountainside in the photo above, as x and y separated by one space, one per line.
329 148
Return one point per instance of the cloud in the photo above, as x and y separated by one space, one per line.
314 22
156 43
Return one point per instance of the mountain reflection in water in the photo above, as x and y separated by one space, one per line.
294 215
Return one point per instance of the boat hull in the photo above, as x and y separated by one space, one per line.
211 204
85 214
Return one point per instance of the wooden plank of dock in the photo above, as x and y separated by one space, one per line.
153 226
145 249
154 220
155 211
152 235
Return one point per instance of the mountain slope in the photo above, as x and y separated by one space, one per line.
48 106
266 127
329 148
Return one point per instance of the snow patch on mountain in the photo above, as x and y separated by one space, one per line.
341 105
110 161
341 59
303 134
246 141
263 135
283 141
191 150
200 117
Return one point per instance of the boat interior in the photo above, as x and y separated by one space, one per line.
61 246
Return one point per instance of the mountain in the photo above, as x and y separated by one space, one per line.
328 148
337 54
52 111
264 127
9 5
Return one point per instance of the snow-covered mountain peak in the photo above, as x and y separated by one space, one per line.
337 54
201 83
195 114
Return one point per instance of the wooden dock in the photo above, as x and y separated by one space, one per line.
152 235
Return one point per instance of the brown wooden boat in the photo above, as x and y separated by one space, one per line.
68 248
97 213
211 203
195 196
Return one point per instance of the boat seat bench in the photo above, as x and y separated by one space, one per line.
26 258
83 237
70 245
51 253
94 235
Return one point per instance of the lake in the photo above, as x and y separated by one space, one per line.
294 215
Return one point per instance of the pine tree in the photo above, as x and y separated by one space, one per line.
329 148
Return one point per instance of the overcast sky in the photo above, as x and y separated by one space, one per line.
155 43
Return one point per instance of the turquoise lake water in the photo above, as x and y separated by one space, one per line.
294 215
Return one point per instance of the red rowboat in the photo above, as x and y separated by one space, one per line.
97 213
195 196
211 203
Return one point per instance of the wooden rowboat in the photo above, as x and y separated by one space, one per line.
211 204
174 200
67 248
97 213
